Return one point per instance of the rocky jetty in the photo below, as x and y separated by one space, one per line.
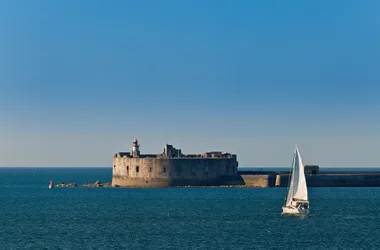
96 184
62 184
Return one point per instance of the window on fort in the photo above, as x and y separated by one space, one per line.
127 168
137 169
114 166
150 169
164 169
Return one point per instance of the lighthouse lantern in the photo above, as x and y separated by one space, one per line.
135 148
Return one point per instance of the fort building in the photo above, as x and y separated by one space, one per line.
173 168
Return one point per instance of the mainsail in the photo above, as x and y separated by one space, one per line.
297 186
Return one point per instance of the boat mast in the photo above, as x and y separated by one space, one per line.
290 178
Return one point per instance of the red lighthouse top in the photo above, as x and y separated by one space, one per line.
135 143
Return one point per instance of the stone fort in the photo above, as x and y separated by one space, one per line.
172 168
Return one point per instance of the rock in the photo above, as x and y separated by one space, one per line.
62 184
97 184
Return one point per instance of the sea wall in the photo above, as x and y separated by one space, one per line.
181 171
335 180
323 179
251 179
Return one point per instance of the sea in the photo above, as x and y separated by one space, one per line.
35 217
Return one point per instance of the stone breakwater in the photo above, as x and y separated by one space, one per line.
319 179
96 184
252 179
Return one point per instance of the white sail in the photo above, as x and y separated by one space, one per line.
297 186
289 198
300 187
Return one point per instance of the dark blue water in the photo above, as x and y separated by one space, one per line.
34 217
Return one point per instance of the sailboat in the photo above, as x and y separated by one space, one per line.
297 202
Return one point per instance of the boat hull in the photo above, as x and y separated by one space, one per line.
294 211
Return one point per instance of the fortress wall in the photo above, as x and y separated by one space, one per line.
162 172
282 180
259 180
335 180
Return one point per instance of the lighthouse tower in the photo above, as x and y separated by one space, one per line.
135 148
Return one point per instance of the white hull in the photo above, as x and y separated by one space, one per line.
295 211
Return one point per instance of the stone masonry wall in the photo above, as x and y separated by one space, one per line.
259 180
334 180
164 172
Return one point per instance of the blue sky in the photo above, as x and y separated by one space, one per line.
79 80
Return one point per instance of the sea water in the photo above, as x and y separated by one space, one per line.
35 217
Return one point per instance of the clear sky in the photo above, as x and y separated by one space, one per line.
79 80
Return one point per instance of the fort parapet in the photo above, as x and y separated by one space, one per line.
173 168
